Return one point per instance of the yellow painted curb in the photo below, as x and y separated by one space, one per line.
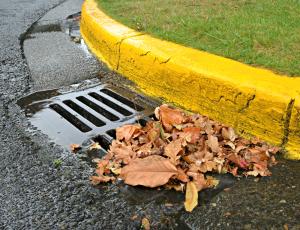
255 101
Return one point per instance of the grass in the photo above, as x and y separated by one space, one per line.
263 33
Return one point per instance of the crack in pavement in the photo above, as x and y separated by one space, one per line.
119 47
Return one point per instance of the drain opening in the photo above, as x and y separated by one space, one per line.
153 117
98 109
123 100
70 118
97 122
78 116
110 104
112 133
142 122
103 142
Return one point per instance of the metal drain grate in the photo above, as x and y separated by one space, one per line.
98 111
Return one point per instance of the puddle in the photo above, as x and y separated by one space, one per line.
46 28
139 194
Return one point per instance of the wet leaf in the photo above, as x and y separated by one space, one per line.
95 146
176 187
95 180
211 181
75 147
191 196
151 171
145 224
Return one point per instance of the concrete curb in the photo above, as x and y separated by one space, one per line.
255 101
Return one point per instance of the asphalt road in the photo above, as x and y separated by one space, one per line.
53 58
34 194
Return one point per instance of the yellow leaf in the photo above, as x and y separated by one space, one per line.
95 146
116 171
191 196
145 224
211 181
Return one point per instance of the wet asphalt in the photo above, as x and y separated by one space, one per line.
36 194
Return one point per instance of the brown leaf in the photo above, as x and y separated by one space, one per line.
153 134
234 171
228 133
151 171
173 149
170 117
191 196
238 160
213 143
101 169
259 169
194 132
182 175
126 132
75 147
274 150
95 180
199 180
122 152
239 148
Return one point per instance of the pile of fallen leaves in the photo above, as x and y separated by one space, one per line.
177 150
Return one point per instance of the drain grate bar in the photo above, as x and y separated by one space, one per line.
98 108
84 113
111 104
77 115
122 99
70 118
90 110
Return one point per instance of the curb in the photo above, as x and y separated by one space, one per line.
255 101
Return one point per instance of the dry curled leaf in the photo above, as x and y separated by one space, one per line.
126 132
191 196
228 133
178 150
152 171
170 117
121 152
173 149
194 132
213 143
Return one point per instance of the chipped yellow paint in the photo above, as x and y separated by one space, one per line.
255 101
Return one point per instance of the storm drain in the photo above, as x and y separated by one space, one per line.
92 113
